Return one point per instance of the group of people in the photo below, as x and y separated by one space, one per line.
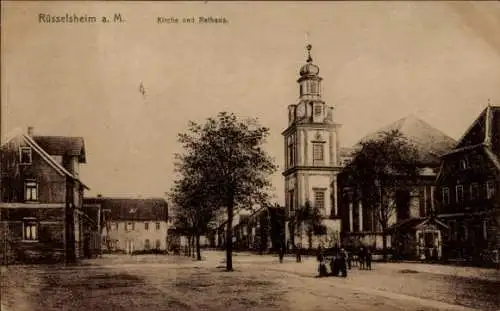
341 261
364 259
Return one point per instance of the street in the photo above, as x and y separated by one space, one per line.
120 282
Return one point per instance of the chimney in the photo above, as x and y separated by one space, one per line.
31 131
99 195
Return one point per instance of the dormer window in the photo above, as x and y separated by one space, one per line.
25 156
31 191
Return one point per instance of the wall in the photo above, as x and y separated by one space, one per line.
305 139
139 234
51 185
50 244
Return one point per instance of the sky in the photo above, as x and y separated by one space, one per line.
380 62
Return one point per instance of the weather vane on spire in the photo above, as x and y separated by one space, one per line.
309 47
309 58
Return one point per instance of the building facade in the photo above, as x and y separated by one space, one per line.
467 191
312 159
412 231
133 225
41 196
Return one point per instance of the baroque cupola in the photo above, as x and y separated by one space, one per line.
309 80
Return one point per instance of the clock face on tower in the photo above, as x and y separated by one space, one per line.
301 111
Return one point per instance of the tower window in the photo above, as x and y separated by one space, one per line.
291 151
314 88
319 199
318 152
291 200
318 110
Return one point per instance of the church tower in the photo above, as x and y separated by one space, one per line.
312 146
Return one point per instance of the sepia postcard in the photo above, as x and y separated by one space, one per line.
250 155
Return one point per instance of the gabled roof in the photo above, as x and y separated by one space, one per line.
430 142
482 130
415 223
61 145
152 209
45 156
483 134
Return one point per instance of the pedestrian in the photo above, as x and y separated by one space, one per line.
298 257
368 259
343 262
349 259
361 257
333 266
319 255
281 253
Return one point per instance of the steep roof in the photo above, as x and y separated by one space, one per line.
132 209
483 129
62 145
430 142
483 133
44 154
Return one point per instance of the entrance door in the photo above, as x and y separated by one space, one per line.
130 246
430 244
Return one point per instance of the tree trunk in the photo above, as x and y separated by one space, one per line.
193 246
384 243
309 238
198 251
229 236
188 247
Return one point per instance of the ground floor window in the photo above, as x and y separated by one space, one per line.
147 246
30 231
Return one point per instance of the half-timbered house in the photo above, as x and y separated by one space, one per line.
41 195
467 190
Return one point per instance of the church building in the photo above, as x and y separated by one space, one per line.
312 158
